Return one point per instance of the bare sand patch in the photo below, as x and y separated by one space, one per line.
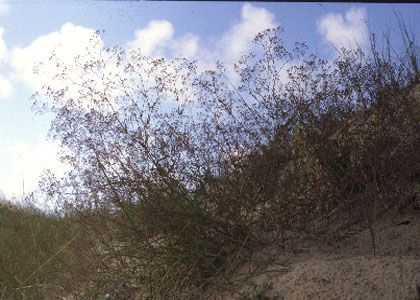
327 268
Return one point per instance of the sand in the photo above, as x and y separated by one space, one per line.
331 267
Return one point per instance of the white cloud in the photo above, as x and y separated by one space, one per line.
5 84
68 60
158 39
3 48
26 163
68 43
237 41
349 31
152 38
4 7
5 87
187 46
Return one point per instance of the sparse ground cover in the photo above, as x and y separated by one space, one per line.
331 267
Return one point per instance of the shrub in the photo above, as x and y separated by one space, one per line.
176 173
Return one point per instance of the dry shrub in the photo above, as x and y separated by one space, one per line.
176 173
347 143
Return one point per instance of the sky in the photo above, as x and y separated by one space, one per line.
206 31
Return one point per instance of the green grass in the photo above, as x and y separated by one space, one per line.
36 253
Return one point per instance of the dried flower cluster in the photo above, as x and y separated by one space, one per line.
176 173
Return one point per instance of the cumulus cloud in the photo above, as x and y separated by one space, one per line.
26 163
157 40
227 48
67 44
5 87
152 38
72 60
186 45
3 48
4 7
349 31
237 41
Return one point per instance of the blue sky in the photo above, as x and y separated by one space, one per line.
203 30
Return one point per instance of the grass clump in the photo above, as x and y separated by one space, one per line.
37 253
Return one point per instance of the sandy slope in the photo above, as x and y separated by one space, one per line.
331 268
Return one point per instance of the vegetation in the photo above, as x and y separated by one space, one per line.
176 174
38 253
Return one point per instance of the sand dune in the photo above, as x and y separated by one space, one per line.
329 268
